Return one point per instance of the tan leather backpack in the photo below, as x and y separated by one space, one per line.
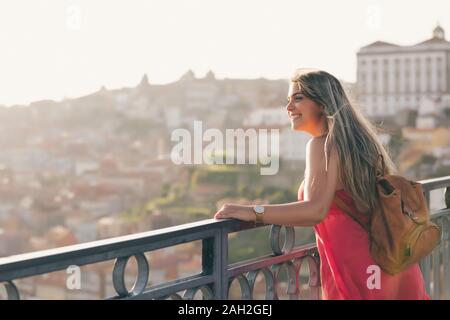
400 230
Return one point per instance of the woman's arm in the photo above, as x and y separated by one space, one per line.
299 214
319 189
301 189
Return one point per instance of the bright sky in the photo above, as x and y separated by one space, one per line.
52 49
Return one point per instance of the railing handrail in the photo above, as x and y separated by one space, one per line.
95 251
435 183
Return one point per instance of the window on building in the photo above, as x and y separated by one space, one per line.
407 77
362 82
418 75
397 75
385 76
374 76
428 73
440 81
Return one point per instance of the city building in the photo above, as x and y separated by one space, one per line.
393 77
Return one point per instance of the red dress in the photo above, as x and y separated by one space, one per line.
348 271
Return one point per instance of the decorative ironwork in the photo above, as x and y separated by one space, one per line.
119 275
275 234
11 291
205 290
268 279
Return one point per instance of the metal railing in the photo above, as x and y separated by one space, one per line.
214 280
217 273
435 267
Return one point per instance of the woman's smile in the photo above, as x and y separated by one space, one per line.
296 116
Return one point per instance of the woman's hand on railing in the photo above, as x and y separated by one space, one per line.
236 211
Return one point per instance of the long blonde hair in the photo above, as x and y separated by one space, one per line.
353 136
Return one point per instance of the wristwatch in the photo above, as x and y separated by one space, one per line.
259 212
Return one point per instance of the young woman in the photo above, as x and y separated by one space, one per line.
341 157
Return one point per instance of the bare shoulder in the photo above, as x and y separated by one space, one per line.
317 163
321 175
314 152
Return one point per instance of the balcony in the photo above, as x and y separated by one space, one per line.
217 274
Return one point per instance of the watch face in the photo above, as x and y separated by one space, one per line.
259 209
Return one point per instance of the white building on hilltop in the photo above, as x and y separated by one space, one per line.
391 77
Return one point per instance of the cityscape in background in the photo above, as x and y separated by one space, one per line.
99 166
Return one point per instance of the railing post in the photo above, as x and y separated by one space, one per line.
215 262
447 197
425 268
221 279
446 247
427 198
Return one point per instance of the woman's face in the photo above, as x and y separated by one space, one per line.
304 113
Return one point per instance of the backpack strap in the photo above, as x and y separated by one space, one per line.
383 169
348 210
